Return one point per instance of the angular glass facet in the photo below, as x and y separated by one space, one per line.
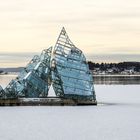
64 67
77 81
34 80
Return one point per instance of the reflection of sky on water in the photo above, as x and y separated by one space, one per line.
116 119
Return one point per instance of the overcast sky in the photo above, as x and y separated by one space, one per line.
95 26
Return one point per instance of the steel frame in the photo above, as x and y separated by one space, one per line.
63 66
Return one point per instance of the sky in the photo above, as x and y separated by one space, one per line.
108 29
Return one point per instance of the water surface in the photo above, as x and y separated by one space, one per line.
117 79
116 117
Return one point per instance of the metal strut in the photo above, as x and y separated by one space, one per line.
63 66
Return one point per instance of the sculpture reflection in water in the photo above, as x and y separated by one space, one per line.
63 66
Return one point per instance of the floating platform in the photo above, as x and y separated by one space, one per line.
50 101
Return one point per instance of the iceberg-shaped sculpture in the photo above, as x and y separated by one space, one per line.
64 66
33 81
77 81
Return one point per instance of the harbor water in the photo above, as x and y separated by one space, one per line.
116 117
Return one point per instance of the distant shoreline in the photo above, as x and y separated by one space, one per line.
94 75
97 69
113 75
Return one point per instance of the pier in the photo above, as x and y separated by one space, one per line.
50 101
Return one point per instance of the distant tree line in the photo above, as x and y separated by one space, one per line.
120 66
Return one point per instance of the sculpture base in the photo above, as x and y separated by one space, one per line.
50 101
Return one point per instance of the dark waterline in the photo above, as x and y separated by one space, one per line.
117 79
98 79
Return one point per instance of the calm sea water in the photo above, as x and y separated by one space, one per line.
107 80
117 79
116 117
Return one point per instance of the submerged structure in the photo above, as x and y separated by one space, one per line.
64 67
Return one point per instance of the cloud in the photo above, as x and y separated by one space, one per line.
94 26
